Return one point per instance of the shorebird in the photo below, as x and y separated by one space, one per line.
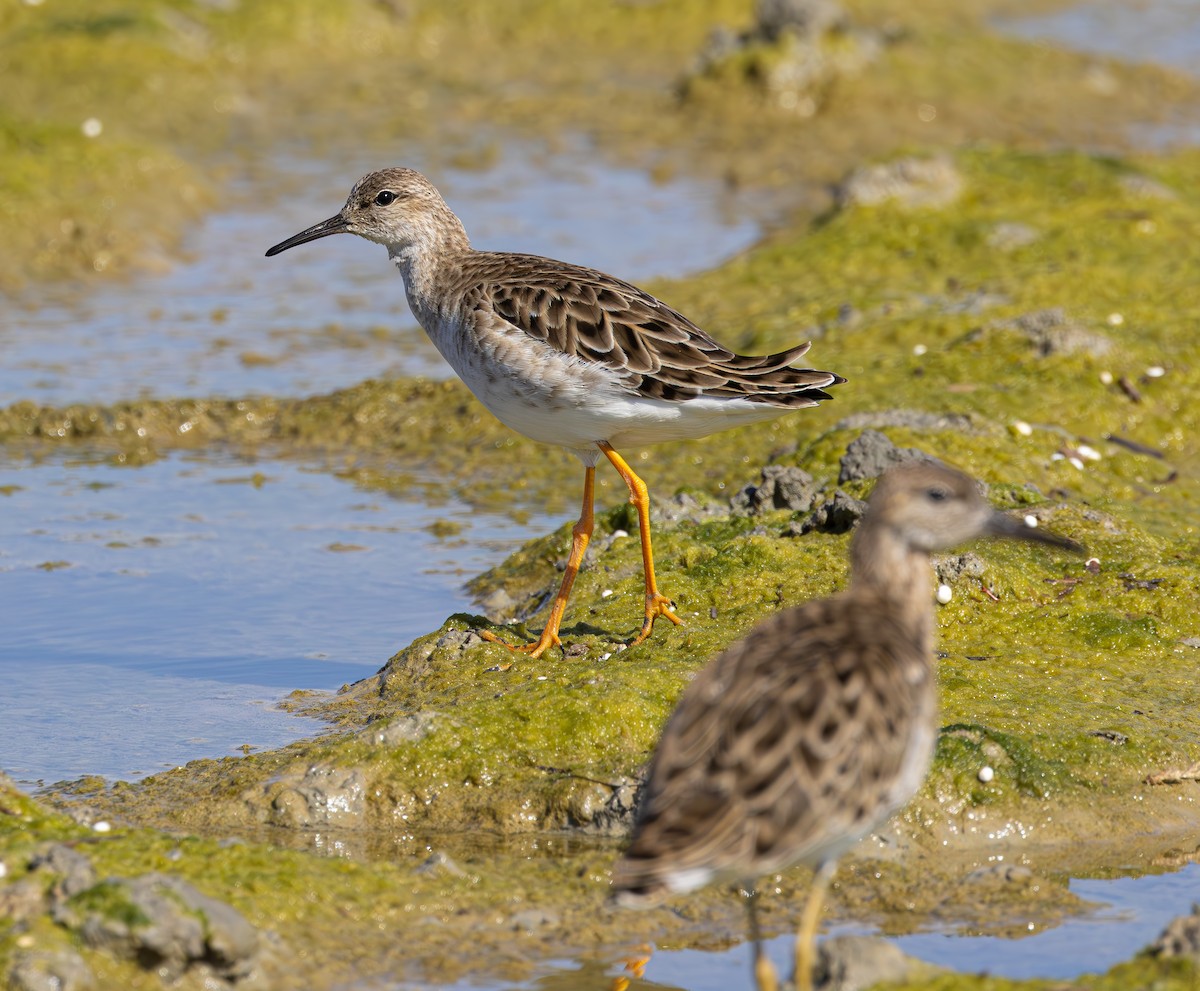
566 355
804 737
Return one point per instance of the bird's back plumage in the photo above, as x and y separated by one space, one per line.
656 352
787 749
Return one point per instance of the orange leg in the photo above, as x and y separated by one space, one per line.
656 604
635 966
581 535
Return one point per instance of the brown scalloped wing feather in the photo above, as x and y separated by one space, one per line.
788 741
659 352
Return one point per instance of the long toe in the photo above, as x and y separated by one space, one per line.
656 605
546 640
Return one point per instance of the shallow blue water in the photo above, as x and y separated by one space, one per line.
150 611
1163 31
1130 914
1166 32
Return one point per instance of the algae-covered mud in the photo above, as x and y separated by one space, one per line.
1023 312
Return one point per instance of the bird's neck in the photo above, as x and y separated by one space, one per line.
429 252
881 560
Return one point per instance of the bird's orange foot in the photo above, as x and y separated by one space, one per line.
635 965
548 639
656 605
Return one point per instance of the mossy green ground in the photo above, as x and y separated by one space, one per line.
1041 654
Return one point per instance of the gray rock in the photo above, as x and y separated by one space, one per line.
587 800
74 869
950 568
165 924
805 18
497 605
811 46
1146 188
871 453
23 899
615 817
323 795
460 640
911 182
680 507
781 487
838 515
404 729
1181 938
974 303
50 970
1051 331
853 963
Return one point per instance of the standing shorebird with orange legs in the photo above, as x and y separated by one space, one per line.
813 731
566 355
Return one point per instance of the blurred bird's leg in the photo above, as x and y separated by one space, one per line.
765 978
806 935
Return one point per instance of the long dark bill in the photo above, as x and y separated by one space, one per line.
334 225
1003 525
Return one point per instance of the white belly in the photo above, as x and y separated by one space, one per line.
559 399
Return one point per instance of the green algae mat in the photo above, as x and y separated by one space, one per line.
1036 327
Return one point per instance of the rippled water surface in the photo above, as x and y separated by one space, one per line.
152 612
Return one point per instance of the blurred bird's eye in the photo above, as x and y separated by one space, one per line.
936 495
385 198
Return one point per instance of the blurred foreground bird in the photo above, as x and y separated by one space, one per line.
804 737
566 355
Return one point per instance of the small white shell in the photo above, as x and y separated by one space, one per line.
986 774
944 594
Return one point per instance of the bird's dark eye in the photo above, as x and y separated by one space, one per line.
385 198
936 495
